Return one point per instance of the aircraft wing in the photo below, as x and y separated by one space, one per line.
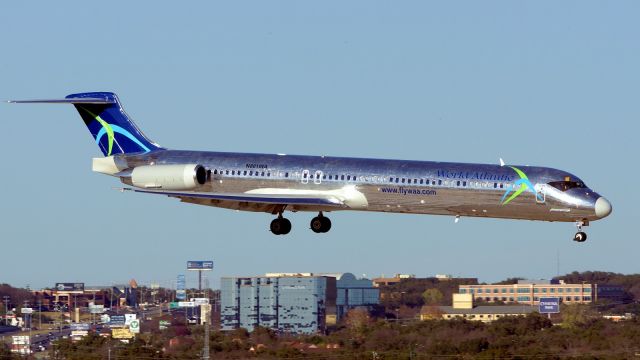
272 200
263 198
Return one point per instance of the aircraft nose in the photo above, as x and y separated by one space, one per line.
603 207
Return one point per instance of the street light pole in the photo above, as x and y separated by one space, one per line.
6 308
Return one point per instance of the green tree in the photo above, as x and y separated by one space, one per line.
432 296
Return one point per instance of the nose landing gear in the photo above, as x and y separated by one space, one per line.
581 236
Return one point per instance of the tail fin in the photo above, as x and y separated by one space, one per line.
112 129
110 126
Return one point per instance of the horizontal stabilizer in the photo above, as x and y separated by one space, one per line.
65 101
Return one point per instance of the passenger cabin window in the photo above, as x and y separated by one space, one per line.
566 185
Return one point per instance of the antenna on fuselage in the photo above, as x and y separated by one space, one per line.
501 162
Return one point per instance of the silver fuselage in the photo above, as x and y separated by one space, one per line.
418 187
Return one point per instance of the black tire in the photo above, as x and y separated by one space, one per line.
326 224
580 236
317 224
276 226
286 226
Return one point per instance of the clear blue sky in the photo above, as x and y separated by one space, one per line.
538 83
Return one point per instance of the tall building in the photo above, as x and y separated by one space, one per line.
287 303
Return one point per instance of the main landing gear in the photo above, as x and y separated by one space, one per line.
320 224
282 225
580 236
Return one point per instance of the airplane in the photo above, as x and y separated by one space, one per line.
275 183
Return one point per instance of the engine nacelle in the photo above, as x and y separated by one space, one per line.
169 177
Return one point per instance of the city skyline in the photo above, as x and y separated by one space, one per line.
417 81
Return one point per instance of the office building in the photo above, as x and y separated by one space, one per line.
463 307
287 303
530 291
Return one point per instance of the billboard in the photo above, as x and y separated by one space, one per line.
181 284
200 301
134 326
129 318
200 265
121 333
96 309
69 287
117 320
21 345
549 305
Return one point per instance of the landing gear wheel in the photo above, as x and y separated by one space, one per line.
320 224
280 226
326 224
316 224
580 236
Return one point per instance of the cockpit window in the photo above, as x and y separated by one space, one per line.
566 185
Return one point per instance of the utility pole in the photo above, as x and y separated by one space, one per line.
40 314
205 351
6 308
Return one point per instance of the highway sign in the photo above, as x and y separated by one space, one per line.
80 326
549 305
200 301
199 265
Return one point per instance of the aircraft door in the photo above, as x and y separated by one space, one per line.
540 193
317 179
305 177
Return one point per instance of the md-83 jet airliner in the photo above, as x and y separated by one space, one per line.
275 183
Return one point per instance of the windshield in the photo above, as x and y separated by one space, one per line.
566 185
